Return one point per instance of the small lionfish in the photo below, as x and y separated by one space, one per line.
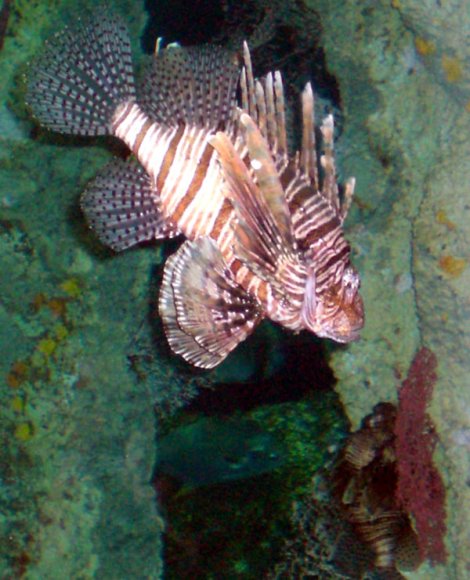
264 232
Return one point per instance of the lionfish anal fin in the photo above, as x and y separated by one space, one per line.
206 314
122 206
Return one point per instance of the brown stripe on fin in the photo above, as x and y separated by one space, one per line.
206 314
192 85
252 247
264 227
122 207
329 186
269 184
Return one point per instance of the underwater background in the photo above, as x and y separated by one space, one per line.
297 457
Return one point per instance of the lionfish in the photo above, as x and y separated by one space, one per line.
263 228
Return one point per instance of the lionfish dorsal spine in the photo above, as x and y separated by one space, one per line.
308 156
263 100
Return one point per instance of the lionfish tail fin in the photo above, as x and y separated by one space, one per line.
206 314
82 77
192 85
122 206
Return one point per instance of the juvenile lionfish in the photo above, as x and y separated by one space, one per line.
264 231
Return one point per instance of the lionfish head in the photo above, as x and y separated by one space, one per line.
338 312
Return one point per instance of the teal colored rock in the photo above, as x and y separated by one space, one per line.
74 484
215 450
402 69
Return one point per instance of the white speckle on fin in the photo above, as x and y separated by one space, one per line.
82 76
122 206
193 85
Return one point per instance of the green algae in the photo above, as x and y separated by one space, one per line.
237 529
74 486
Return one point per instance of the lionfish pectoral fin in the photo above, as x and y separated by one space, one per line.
206 314
264 228
270 193
252 244
122 206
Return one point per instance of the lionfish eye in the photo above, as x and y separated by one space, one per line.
350 279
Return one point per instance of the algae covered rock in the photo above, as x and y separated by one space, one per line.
77 430
403 79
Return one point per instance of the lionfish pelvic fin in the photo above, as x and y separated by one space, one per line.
206 314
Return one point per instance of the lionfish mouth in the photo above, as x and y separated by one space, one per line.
351 336
344 331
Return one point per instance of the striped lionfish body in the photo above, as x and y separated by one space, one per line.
264 232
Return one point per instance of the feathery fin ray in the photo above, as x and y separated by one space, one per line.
122 206
206 314
82 77
263 231
193 85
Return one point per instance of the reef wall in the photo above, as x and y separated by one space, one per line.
77 429
402 70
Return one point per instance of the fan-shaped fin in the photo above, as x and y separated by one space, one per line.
123 207
206 314
83 75
192 85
